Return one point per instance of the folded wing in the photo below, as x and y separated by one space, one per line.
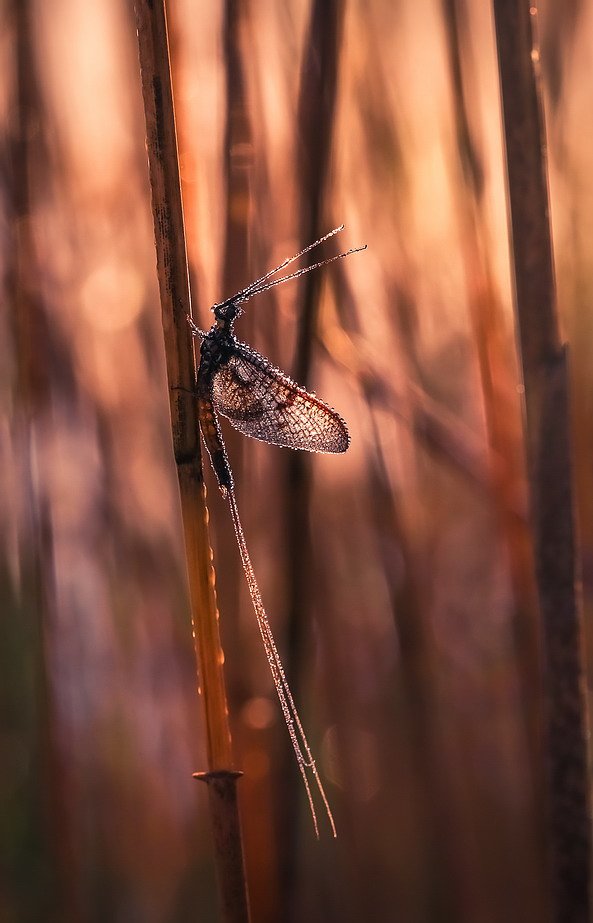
262 402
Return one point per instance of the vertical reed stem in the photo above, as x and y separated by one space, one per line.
51 885
544 360
175 303
316 105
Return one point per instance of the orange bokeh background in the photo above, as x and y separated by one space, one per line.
397 597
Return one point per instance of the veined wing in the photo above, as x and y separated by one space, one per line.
262 402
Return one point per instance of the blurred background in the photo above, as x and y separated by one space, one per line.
397 577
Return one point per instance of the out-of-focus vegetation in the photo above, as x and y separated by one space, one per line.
397 577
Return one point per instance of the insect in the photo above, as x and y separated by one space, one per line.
262 401
257 398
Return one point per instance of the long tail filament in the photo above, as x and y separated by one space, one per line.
289 710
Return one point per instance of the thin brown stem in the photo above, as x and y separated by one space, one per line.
40 367
544 361
502 419
316 106
175 303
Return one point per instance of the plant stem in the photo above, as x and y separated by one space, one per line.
175 302
544 361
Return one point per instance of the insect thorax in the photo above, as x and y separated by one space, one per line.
217 346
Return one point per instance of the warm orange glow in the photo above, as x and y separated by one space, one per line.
395 577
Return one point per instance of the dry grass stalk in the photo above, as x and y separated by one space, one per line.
316 104
507 463
544 361
44 787
175 302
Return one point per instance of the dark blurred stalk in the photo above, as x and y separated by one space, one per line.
418 671
544 362
238 164
507 460
237 154
315 129
39 822
315 132
175 303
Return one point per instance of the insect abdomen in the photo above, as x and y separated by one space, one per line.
214 443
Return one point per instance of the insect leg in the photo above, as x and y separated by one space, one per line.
195 330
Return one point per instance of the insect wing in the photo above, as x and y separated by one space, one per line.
261 401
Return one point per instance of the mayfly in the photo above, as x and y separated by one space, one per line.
261 401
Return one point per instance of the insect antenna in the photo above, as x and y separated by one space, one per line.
262 285
258 289
291 259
